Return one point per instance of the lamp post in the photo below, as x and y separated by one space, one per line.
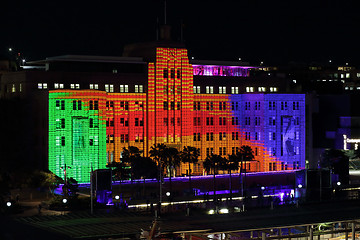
64 169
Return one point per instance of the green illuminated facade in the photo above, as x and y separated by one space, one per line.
77 133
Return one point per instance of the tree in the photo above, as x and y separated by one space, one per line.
190 155
119 170
172 161
129 156
158 153
144 167
212 164
246 154
231 164
71 188
41 179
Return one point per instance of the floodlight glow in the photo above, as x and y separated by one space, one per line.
338 183
263 188
211 211
117 197
168 194
64 200
8 204
300 186
224 210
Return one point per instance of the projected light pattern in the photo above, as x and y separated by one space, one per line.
169 112
76 132
218 70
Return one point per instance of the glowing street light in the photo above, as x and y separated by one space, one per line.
10 49
300 186
8 204
168 194
338 183
64 201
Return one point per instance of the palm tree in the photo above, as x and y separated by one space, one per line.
158 153
190 155
172 161
129 156
230 165
246 154
213 163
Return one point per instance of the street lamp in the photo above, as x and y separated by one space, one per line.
8 204
64 169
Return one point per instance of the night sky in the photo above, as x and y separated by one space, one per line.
255 30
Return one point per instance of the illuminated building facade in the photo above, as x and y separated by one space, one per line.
179 104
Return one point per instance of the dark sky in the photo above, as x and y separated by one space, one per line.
275 32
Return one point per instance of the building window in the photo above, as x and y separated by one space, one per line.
60 104
234 90
235 121
247 120
196 106
247 105
124 105
296 106
196 137
139 89
222 105
209 151
62 141
165 105
94 86
209 121
273 89
235 136
234 106
76 105
261 89
196 89
42 86
257 105
209 89
166 73
272 106
222 151
197 121
284 106
222 121
257 121
249 89
209 106
247 135
272 135
222 90
272 121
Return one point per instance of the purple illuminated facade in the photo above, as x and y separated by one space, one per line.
218 70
